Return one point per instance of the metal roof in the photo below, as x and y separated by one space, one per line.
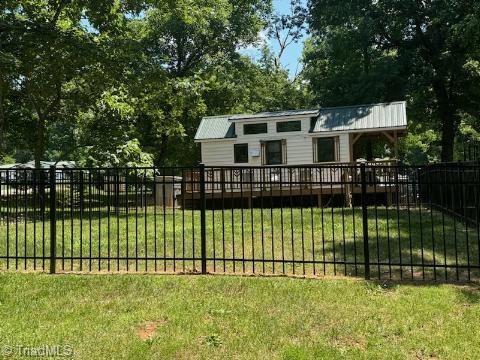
362 117
222 127
275 114
215 127
47 164
347 118
8 166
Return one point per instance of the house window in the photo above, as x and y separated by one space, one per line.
287 126
325 149
252 129
240 153
274 152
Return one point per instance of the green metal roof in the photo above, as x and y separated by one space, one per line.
362 117
215 127
347 118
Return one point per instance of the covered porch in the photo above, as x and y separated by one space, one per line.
376 145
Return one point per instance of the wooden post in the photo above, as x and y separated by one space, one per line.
353 140
395 145
348 188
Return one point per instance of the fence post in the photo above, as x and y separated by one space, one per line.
366 249
203 206
53 219
81 188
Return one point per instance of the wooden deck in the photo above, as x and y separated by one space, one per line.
326 180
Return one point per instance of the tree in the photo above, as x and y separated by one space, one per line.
428 44
84 80
287 29
128 154
186 35
50 46
344 68
183 43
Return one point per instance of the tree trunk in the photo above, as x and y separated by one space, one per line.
39 140
448 136
366 60
162 151
3 146
447 116
38 156
40 128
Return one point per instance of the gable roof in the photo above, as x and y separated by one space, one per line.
215 127
347 118
222 127
361 117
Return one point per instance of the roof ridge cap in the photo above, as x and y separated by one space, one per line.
363 105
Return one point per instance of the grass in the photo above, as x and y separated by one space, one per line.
205 317
307 239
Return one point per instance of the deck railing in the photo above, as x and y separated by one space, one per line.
231 178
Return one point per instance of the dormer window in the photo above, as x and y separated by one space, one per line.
252 129
289 126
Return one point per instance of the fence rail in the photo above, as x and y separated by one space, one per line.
471 151
372 220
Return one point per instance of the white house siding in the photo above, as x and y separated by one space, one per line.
299 145
217 153
344 147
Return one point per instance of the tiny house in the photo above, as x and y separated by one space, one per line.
327 135
289 154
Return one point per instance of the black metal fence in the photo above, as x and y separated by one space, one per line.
368 220
471 151
453 189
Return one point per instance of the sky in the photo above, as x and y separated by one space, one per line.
292 56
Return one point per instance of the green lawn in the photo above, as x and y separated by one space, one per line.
219 317
419 236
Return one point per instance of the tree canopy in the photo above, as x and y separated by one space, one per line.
128 81
88 80
423 51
